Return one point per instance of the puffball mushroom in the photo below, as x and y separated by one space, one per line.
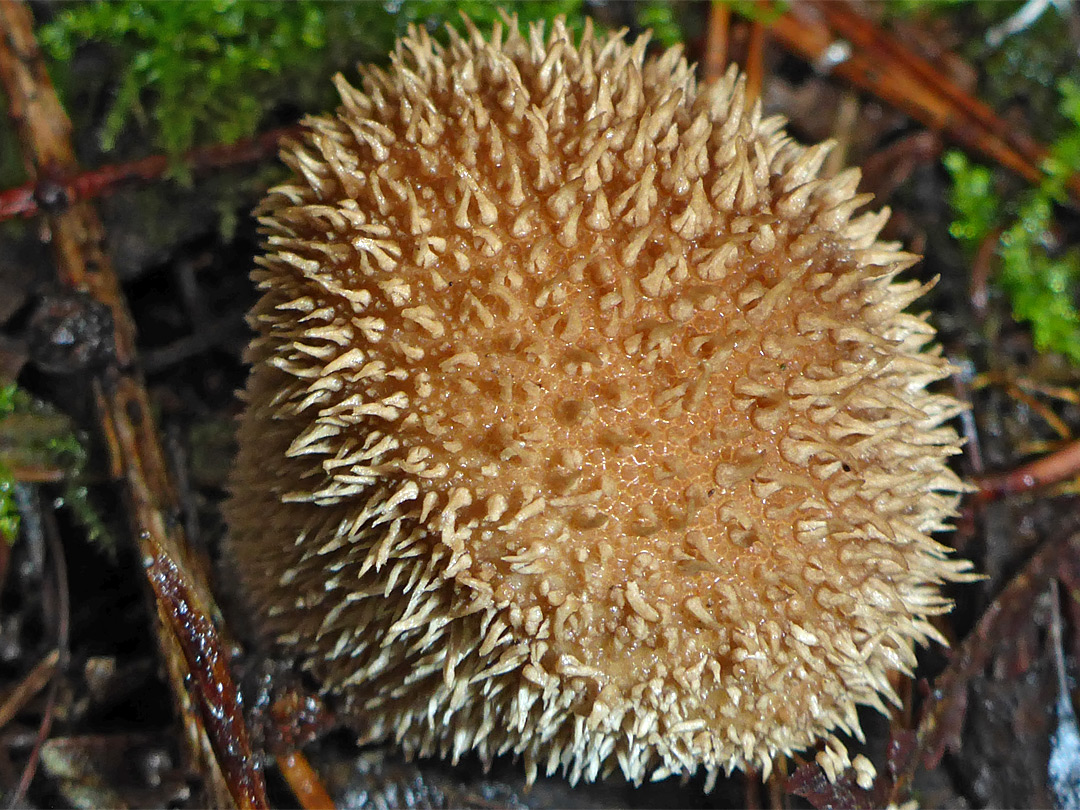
585 422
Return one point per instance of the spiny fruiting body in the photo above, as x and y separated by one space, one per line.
585 423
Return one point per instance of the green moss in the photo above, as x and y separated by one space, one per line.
975 203
915 8
9 512
209 72
34 434
764 13
661 17
1041 280
197 71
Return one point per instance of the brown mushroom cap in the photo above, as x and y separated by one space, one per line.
584 422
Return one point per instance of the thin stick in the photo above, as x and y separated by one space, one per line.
778 797
755 61
1055 638
218 697
1056 423
882 74
716 42
847 116
33 682
63 642
28 199
981 265
752 794
1050 469
305 783
846 22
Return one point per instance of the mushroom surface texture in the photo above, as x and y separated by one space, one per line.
585 421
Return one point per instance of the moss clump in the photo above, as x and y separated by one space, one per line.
210 71
1039 276
663 19
36 435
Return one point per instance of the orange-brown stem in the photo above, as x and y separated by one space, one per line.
755 61
305 783
716 41
1050 469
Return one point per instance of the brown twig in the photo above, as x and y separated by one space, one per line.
63 641
752 789
36 474
45 134
1056 423
1064 393
32 683
755 61
123 405
217 695
863 33
778 797
875 64
981 265
716 42
305 783
30 199
847 118
1050 469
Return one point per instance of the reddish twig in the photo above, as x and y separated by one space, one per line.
18 201
30 199
305 783
864 34
213 686
909 83
1050 469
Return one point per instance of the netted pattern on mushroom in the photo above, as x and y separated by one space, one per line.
586 422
